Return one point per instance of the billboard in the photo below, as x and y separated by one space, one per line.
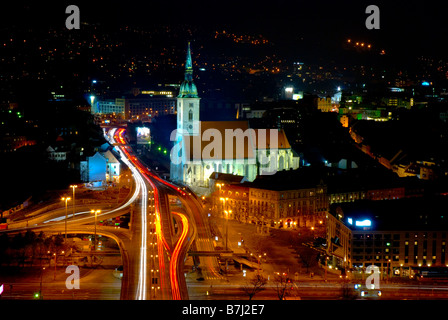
143 135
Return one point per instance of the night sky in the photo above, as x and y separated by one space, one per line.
405 25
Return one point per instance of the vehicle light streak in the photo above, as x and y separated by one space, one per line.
141 287
141 291
160 239
175 257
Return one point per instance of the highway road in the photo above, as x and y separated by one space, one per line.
194 231
141 276
153 252
144 274
171 247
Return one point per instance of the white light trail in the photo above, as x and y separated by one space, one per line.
142 191
141 287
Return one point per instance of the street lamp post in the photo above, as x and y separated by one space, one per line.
227 226
226 215
40 290
388 268
73 186
220 185
93 211
66 199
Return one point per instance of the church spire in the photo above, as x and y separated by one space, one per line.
189 65
188 88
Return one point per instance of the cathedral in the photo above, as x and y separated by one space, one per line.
203 148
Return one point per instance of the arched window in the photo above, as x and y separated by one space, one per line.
190 115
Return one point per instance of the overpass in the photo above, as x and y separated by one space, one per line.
152 252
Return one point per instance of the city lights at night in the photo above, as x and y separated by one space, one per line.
216 159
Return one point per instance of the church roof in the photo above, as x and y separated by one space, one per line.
282 140
240 142
215 149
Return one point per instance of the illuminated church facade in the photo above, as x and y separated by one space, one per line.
203 148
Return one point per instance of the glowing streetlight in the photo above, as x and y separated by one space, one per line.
66 199
93 211
227 225
73 186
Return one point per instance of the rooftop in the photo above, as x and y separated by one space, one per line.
413 214
287 180
241 148
227 177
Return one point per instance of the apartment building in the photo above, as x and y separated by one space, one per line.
398 235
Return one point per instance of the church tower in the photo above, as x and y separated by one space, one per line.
188 102
188 123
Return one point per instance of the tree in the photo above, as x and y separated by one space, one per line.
254 286
18 244
281 285
58 242
309 257
40 246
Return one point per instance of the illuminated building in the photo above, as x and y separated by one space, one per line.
112 166
380 194
136 108
12 143
231 197
288 207
93 169
286 199
399 235
345 121
110 107
57 153
147 108
376 185
196 165
188 101
325 104
151 93
99 168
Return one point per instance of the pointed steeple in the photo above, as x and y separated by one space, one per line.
189 65
188 88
